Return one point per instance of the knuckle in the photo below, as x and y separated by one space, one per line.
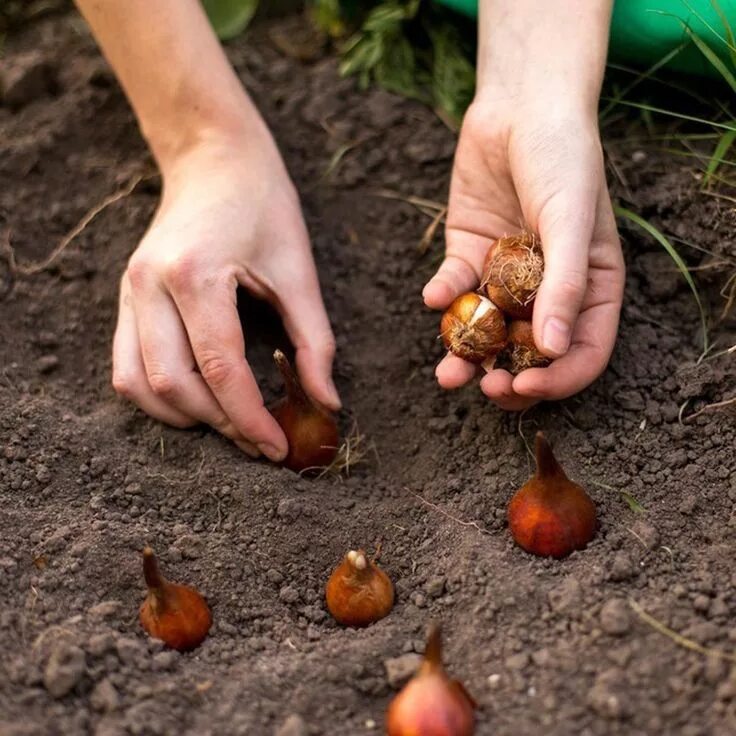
125 384
571 287
164 385
138 271
329 346
215 369
181 271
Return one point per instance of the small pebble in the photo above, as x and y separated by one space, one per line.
104 697
400 669
615 617
64 669
294 725
47 363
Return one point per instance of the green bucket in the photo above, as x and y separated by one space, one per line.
643 32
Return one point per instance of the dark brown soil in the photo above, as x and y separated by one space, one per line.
554 647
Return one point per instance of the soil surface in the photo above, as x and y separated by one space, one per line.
545 646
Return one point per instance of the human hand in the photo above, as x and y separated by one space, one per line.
532 169
229 216
529 155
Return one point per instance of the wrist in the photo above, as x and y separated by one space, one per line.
173 135
548 55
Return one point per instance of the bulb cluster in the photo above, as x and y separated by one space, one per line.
494 327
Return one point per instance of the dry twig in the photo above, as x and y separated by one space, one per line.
679 639
31 269
440 510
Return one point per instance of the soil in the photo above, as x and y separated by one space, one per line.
559 647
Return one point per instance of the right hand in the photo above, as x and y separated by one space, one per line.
229 216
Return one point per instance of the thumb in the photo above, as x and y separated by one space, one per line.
460 271
306 322
565 229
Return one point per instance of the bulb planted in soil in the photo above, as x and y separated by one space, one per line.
310 429
431 704
176 614
358 592
550 515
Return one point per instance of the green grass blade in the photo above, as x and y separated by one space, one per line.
673 114
727 27
634 505
662 239
719 156
640 78
713 58
727 42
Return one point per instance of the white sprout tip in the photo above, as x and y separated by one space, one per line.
357 559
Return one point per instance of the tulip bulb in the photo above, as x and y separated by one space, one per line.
550 515
176 614
431 704
521 352
473 328
358 592
512 273
310 429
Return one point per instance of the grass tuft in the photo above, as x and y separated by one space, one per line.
662 239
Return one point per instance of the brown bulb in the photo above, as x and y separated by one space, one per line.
521 352
512 273
310 429
431 704
176 614
473 328
550 515
358 592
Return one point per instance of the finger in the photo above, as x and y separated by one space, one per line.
128 372
305 319
169 365
460 271
566 229
209 312
579 367
595 332
454 277
453 372
497 386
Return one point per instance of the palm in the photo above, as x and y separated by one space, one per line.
503 180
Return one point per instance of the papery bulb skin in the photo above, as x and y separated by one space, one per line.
512 273
551 516
176 614
473 328
310 429
358 592
431 704
521 351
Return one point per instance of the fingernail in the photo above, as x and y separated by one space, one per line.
555 336
333 394
271 452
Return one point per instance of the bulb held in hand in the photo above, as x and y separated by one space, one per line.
512 273
473 328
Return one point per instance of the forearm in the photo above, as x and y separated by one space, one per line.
173 70
554 48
